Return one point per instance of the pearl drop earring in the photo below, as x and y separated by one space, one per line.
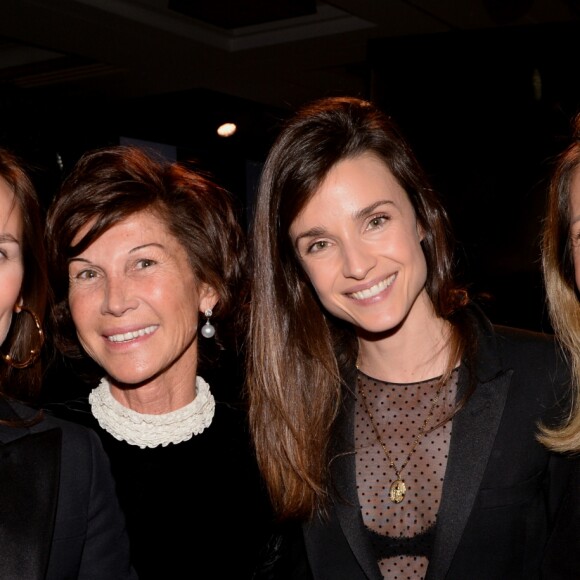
208 329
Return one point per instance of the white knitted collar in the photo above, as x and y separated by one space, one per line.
152 430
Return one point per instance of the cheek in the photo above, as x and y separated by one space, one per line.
77 305
185 312
5 321
11 286
416 253
319 279
422 264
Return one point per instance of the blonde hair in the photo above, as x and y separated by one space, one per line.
561 291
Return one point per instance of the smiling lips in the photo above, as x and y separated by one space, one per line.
374 290
132 335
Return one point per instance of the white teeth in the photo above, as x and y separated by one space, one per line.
131 335
374 290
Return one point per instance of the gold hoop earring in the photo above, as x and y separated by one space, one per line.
35 352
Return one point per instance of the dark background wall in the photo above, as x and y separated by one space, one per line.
487 111
484 90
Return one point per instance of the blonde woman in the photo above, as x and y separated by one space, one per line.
561 268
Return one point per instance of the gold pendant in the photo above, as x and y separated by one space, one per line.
397 491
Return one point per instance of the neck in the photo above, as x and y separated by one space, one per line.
404 357
155 397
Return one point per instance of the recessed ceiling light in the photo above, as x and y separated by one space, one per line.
226 129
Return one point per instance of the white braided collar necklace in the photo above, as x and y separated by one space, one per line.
152 430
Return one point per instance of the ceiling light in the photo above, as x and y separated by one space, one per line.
226 129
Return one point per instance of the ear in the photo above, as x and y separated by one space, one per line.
18 306
208 297
420 231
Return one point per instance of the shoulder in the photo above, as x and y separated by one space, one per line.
522 344
71 430
79 442
522 336
493 348
81 447
509 343
531 355
77 448
540 371
76 411
534 360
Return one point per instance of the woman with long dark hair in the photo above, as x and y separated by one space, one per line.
391 419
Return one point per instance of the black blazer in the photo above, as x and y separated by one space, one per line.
562 558
59 514
501 490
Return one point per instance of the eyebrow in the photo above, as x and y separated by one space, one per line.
366 211
135 249
8 238
75 259
359 214
311 233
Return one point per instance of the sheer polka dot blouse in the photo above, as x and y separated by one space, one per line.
402 529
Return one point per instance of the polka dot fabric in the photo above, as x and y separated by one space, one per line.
402 533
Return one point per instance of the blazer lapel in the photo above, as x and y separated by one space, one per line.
29 479
472 437
473 434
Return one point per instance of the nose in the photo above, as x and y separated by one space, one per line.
357 260
118 296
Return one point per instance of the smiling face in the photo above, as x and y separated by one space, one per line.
11 265
135 302
359 243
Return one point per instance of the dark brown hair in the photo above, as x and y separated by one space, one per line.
108 185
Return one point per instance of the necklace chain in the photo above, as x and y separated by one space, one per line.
398 487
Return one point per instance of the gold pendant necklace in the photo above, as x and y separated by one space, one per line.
398 488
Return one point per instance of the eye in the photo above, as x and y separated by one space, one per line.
574 233
317 247
9 251
377 221
145 263
85 274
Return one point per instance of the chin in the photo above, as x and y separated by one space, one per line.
380 326
129 381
